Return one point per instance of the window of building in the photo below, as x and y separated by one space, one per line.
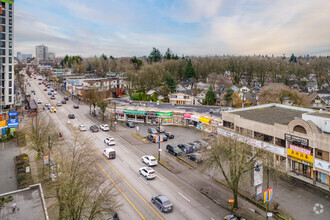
280 142
10 14
228 124
3 21
323 155
3 36
3 28
2 43
2 52
3 13
10 52
10 21
10 6
174 96
10 68
10 36
300 129
10 91
10 76
186 97
10 29
3 5
10 44
3 60
10 99
10 60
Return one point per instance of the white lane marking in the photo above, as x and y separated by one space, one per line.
139 161
184 197
126 164
125 150
143 180
160 178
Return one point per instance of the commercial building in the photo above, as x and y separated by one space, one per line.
41 53
6 54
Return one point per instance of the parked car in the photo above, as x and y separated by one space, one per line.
52 97
71 116
152 131
94 128
203 144
152 138
104 127
175 150
39 101
147 172
109 141
130 124
163 203
63 102
169 134
197 157
66 98
149 160
109 153
58 104
75 106
82 128
233 217
160 129
195 146
187 149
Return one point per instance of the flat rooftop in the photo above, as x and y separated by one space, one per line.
323 115
270 115
28 205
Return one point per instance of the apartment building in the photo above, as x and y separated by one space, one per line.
6 54
41 53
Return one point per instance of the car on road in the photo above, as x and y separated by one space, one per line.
147 172
104 127
110 141
55 89
163 203
160 129
186 148
197 157
66 98
45 89
130 124
233 217
149 160
52 90
71 116
52 109
75 106
174 150
39 101
58 104
46 105
152 131
49 93
169 134
54 93
82 128
63 102
94 128
39 83
109 153
52 97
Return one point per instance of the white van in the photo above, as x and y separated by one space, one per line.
109 153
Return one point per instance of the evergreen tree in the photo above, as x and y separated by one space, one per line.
293 59
168 55
155 55
104 57
188 69
170 82
210 97
228 96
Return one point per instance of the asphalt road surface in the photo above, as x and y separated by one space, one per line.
135 191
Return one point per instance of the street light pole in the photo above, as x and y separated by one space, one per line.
267 205
159 124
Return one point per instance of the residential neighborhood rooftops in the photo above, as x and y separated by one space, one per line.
270 115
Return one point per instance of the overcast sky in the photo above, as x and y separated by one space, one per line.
190 27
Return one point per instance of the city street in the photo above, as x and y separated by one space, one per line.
136 191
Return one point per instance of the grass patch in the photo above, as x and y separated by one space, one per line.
163 163
139 137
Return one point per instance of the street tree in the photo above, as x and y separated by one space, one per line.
233 159
165 91
228 97
92 98
81 191
102 104
210 97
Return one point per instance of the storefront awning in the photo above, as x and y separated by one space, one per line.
165 114
187 115
204 120
133 112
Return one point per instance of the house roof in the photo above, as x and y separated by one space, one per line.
187 81
188 92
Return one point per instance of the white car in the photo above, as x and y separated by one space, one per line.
104 127
82 128
149 160
39 101
59 104
109 141
147 172
54 93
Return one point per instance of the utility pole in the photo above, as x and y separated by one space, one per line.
159 124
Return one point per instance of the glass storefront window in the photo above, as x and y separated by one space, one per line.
301 169
130 117
120 116
321 177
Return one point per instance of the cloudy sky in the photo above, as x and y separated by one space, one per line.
190 27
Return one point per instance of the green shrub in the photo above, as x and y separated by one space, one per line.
21 177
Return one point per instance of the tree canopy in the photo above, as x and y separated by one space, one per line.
210 97
188 70
155 55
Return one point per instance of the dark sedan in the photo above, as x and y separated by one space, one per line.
63 102
71 116
75 106
170 135
163 203
196 157
130 124
94 128
152 131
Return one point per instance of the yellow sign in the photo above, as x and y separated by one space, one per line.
300 156
204 120
3 123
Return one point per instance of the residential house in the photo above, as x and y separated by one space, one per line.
244 89
200 98
235 88
312 86
316 101
185 97
186 84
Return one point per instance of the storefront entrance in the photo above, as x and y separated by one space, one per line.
301 169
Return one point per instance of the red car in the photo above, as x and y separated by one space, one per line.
55 89
45 89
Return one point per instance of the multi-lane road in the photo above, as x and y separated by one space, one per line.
134 191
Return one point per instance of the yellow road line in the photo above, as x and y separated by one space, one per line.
109 177
122 177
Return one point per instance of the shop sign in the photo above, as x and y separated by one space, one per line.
178 116
13 123
300 149
119 111
187 115
296 139
194 118
323 165
3 123
152 113
165 114
13 114
300 156
133 112
204 120
275 149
